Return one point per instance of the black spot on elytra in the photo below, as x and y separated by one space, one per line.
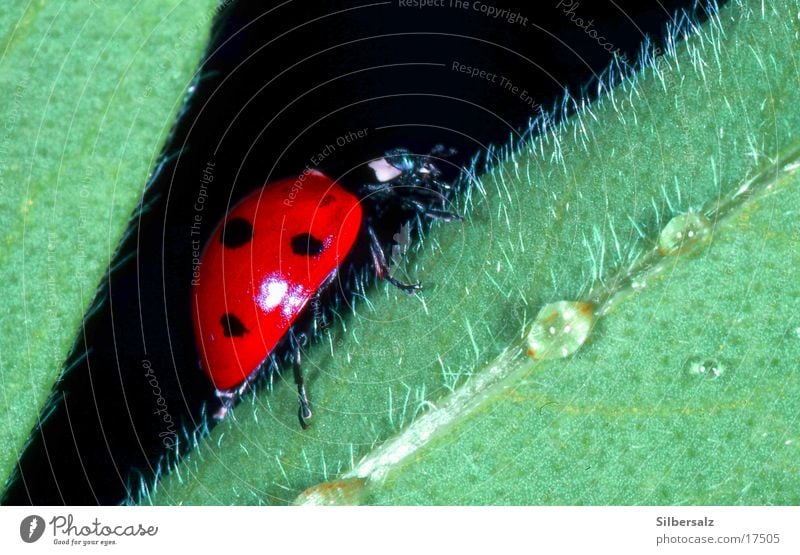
232 326
327 199
306 244
236 232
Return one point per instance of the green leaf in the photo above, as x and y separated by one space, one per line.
687 389
90 92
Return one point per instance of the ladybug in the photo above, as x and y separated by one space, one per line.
295 244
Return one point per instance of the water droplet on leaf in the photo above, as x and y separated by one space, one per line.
560 329
710 368
682 231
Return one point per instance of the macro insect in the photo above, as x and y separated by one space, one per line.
294 244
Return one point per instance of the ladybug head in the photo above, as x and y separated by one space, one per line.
413 179
406 162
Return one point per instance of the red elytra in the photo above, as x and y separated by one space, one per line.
262 265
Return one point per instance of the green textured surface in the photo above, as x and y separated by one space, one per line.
623 421
90 91
626 421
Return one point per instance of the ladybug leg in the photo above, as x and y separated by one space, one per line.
382 268
424 197
435 213
378 187
228 398
443 215
304 411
